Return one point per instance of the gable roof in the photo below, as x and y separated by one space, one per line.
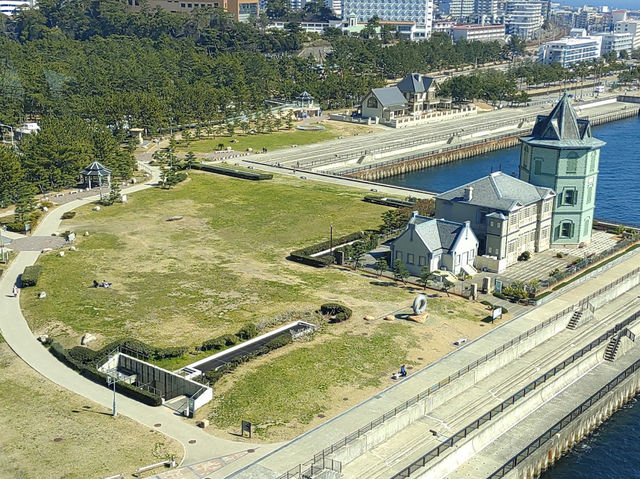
562 127
499 192
389 96
436 234
415 83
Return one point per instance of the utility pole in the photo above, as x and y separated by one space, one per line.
331 238
113 381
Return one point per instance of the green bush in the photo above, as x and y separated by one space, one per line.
30 276
67 215
525 256
334 308
303 255
215 344
500 295
16 226
170 352
247 332
84 355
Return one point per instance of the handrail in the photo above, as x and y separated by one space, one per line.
563 423
532 386
435 387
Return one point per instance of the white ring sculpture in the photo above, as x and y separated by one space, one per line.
420 304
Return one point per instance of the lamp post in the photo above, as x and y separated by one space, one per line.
113 381
331 238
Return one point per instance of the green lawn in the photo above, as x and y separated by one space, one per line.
186 281
271 141
311 373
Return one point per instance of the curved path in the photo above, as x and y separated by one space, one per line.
198 445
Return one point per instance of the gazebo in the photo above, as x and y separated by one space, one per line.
96 171
305 99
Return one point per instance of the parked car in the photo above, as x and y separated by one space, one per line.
460 342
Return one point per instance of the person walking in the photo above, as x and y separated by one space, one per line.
15 290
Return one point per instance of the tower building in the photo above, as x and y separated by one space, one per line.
561 154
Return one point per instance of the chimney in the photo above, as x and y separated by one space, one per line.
467 227
468 193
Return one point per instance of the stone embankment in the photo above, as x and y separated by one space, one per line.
448 154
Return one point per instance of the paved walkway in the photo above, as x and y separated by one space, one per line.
305 446
37 243
199 445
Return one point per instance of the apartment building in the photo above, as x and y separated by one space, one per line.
478 33
523 18
418 13
241 10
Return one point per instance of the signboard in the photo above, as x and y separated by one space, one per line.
246 428
496 313
498 286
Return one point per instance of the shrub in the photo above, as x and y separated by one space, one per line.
67 215
525 256
504 310
170 352
247 332
500 295
31 275
559 255
303 255
84 355
338 312
485 302
16 226
214 344
275 343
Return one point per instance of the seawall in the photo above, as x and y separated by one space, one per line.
375 172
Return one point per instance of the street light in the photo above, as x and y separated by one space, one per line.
113 381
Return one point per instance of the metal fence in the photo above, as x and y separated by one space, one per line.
583 303
563 423
532 386
309 468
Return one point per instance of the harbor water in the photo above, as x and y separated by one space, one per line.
617 196
613 451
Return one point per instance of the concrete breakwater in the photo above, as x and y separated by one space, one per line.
375 172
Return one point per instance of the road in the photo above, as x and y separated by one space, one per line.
198 444
386 142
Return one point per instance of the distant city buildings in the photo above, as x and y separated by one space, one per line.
479 33
632 27
8 7
616 42
523 18
414 15
241 10
574 49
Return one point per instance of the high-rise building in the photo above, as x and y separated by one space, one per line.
458 8
416 12
632 27
523 18
562 155
240 9
486 7
8 7
616 42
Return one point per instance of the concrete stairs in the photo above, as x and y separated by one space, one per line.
575 319
612 348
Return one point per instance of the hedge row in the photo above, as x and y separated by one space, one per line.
246 175
219 343
303 255
393 203
214 375
91 373
30 275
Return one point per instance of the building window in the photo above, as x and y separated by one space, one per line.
572 165
422 261
547 206
409 258
372 102
570 197
545 233
566 229
537 168
399 255
587 227
589 193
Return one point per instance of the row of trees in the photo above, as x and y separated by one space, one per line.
53 158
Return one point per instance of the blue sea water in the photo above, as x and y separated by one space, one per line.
617 193
614 4
613 451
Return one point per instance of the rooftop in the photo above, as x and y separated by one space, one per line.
499 192
436 234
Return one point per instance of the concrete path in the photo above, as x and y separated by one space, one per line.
199 446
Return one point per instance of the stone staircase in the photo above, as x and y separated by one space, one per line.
575 319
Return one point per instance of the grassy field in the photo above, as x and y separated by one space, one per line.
275 140
223 265
36 411
186 281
